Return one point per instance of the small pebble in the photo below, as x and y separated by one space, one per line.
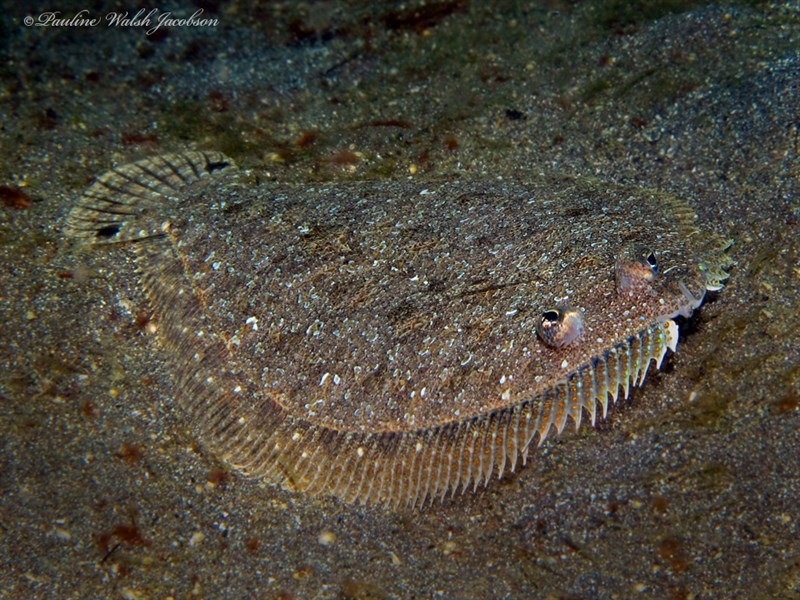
197 538
327 538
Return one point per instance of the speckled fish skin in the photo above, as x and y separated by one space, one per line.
377 341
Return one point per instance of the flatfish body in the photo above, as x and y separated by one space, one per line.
395 342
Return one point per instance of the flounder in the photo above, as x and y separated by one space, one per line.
395 342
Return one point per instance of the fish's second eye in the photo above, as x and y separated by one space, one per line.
560 326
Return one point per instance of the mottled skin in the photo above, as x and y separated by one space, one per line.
390 291
378 340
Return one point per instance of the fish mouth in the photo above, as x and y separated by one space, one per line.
689 302
715 272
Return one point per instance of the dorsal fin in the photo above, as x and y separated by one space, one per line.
114 208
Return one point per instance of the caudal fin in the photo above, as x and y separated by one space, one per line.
116 206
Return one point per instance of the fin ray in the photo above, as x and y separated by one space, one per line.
123 204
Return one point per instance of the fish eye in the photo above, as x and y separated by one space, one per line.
551 315
636 265
560 326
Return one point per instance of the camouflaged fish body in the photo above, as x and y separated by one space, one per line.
378 341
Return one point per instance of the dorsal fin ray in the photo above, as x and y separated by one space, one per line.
116 206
